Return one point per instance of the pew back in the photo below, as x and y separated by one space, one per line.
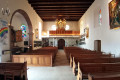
85 68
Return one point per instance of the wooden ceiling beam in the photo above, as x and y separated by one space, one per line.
71 6
45 5
58 3
65 9
59 18
50 10
61 7
36 1
60 15
44 11
55 19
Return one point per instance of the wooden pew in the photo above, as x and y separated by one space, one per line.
67 50
77 50
87 55
18 69
41 57
104 76
85 68
34 59
93 60
88 60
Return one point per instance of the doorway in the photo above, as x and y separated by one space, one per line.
61 43
97 45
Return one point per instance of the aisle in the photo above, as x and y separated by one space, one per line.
60 71
61 59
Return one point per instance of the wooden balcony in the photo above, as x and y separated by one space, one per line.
63 33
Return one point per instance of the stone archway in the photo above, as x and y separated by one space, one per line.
25 15
61 43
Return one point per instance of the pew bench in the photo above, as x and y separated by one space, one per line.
85 68
104 76
35 59
88 55
17 69
89 60
40 57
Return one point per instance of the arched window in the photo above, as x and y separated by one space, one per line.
23 28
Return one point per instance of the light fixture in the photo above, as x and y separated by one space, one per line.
60 24
5 11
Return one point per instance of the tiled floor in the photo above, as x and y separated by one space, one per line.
60 71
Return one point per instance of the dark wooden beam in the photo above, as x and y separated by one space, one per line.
35 1
59 6
50 10
74 8
51 19
65 9
59 15
44 11
58 3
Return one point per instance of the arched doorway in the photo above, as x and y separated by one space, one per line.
61 43
25 15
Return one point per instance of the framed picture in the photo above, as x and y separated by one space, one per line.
114 14
86 31
36 33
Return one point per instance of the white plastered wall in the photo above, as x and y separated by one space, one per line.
110 41
14 5
69 41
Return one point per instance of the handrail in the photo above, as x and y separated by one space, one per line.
3 52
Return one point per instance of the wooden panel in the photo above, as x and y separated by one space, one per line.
41 60
63 32
58 9
34 60
28 59
22 59
16 59
47 61
19 70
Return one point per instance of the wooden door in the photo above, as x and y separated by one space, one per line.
97 45
61 43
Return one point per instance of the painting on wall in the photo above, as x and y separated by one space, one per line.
86 32
3 32
36 33
100 17
114 14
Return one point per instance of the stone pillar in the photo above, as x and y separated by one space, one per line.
53 42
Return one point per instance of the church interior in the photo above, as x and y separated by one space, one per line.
59 39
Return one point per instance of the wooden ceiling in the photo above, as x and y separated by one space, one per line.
50 10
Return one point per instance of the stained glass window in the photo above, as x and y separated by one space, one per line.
100 18
23 28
